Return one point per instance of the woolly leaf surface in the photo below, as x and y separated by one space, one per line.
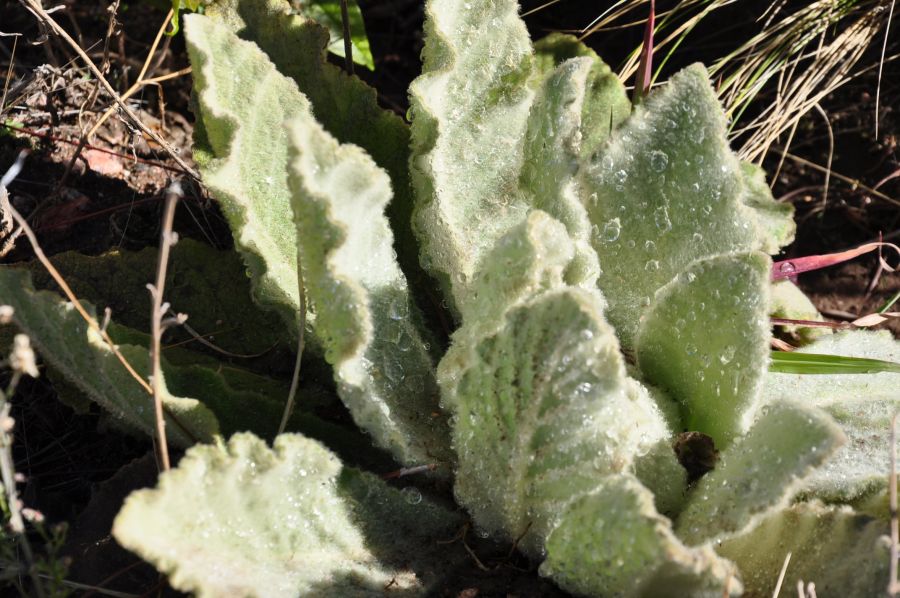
841 552
343 104
566 109
861 404
469 110
77 351
705 342
760 472
542 408
384 372
612 542
243 102
245 520
775 221
664 191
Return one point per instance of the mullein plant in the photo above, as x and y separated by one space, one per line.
606 268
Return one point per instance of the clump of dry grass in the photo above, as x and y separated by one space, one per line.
800 55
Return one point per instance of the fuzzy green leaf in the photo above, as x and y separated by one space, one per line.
243 102
774 220
613 543
790 303
842 553
67 343
542 407
862 404
566 109
665 191
247 520
705 341
532 257
364 312
344 105
197 273
759 473
469 110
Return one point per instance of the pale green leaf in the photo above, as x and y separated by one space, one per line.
532 257
384 372
862 404
196 275
247 520
344 105
612 542
759 473
469 112
243 102
575 94
790 303
841 552
664 191
704 340
775 221
77 351
328 14
542 407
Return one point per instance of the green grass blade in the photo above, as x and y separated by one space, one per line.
784 362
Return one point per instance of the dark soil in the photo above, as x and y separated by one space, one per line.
78 471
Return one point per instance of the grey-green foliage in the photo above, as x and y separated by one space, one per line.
607 270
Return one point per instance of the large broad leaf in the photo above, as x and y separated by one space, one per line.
83 357
542 407
759 473
196 277
469 112
243 102
862 404
344 105
532 257
579 97
665 191
841 552
705 341
246 520
364 313
612 542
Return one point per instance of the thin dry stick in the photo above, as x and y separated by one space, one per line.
301 341
893 586
855 183
781 575
887 31
67 291
348 47
35 7
167 239
819 109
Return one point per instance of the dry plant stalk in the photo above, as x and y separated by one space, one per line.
159 322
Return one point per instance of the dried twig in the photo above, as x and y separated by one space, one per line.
35 8
781 575
159 322
301 341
